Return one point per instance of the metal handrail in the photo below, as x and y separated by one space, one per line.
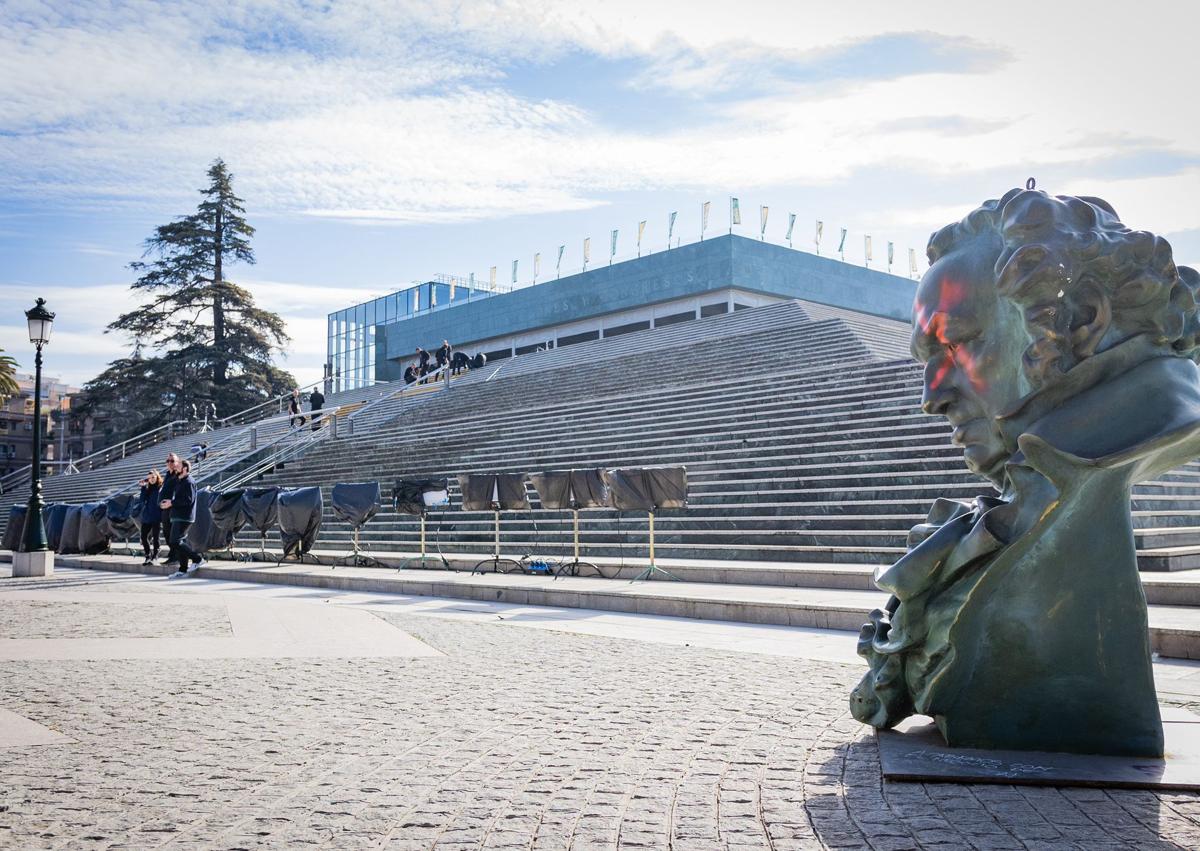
273 400
124 444
443 370
225 421
289 449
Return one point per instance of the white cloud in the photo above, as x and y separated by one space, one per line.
398 113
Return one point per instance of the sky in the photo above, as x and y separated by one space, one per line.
380 143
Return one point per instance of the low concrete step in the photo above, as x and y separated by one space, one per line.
1174 630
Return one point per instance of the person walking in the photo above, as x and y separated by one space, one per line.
164 493
294 408
182 506
151 516
315 401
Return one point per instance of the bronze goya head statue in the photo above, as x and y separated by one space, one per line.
1060 346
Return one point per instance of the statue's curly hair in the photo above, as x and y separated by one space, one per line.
1053 246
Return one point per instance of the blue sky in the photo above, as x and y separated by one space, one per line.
380 143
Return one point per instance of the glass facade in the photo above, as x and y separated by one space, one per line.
350 352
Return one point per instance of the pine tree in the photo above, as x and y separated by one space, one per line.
201 339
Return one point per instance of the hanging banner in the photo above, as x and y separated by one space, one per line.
670 227
763 210
735 213
587 251
891 254
641 230
492 282
791 225
912 261
416 300
558 265
820 230
453 280
613 252
433 295
842 242
537 264
867 254
514 280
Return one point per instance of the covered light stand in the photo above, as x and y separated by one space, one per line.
356 504
300 511
648 489
122 518
261 507
572 490
228 512
494 492
416 497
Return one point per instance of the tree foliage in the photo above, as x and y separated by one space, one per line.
8 377
199 339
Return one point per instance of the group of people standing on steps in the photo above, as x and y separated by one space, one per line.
445 356
316 400
169 507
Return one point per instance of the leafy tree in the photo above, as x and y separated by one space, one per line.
200 339
8 377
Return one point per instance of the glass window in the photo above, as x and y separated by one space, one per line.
369 318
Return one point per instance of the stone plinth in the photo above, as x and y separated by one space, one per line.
33 564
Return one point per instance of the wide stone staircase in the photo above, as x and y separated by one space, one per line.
808 460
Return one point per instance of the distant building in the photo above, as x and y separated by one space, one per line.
375 341
16 425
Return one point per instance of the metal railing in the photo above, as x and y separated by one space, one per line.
442 373
291 443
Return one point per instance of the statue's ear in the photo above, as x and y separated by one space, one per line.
1091 318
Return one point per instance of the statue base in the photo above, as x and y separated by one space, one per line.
33 564
914 751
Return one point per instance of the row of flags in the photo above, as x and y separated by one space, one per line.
735 218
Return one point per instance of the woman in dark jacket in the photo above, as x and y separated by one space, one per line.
151 514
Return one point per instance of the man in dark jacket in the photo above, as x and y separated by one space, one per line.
315 401
164 494
443 354
182 505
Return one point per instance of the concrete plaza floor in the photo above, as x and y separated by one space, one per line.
140 712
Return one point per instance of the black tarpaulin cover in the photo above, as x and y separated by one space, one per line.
480 491
567 489
122 516
204 535
93 533
14 532
355 503
261 507
69 541
407 496
56 515
647 488
299 518
228 514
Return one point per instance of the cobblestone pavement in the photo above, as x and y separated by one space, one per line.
513 739
64 619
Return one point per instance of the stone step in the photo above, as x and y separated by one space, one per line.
1174 630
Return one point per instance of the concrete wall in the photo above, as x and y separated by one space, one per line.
716 263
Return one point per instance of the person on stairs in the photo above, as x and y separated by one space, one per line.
294 408
315 401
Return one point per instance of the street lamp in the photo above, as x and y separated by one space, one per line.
37 560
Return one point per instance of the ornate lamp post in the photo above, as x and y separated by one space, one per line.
37 560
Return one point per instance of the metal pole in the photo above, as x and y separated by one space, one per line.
35 531
652 539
